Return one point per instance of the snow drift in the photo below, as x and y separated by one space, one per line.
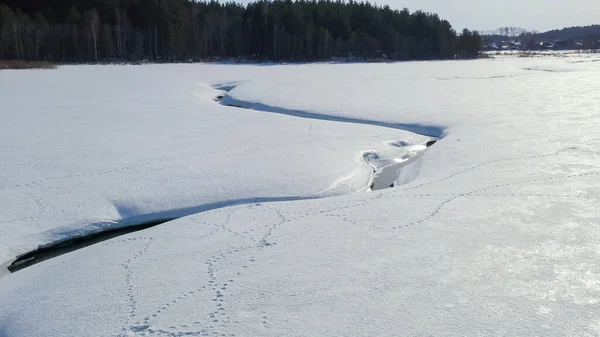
496 235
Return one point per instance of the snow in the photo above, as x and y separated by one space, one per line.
141 143
493 231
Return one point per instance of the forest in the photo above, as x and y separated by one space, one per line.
81 31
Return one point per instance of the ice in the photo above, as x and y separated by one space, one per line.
144 143
493 230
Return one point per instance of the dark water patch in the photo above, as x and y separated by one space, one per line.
63 247
67 246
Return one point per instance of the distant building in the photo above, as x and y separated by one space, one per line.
511 45
490 46
546 45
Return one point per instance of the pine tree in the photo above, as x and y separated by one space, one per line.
178 30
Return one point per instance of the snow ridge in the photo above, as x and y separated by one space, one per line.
227 99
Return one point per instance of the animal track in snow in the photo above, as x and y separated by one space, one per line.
40 209
478 192
489 163
218 317
129 286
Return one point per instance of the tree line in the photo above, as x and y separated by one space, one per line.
182 30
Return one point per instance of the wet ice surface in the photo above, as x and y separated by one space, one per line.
497 234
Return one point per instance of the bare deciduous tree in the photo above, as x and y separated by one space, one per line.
92 21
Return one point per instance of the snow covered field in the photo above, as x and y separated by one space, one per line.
494 230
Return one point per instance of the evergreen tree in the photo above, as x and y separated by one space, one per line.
180 30
469 44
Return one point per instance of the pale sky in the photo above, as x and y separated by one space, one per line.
540 15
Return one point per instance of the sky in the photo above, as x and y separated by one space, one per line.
541 15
